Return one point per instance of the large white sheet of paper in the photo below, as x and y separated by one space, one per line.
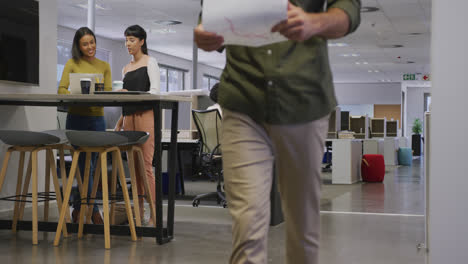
245 22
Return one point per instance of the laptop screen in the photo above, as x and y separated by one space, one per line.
75 85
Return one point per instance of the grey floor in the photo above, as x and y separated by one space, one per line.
361 223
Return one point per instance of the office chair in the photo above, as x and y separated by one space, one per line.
327 157
208 124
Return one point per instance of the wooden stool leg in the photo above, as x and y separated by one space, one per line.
63 175
113 187
84 194
128 206
34 196
5 166
55 180
26 183
47 188
131 166
78 177
19 183
105 199
66 197
96 179
148 194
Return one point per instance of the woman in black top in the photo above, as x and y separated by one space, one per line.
141 74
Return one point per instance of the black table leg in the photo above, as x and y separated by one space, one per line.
181 172
172 170
157 170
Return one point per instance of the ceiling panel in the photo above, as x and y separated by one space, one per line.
392 24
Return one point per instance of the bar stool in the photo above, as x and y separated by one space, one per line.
135 140
103 143
60 133
33 142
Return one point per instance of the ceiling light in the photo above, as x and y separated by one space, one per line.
388 80
167 22
376 71
337 45
162 31
357 62
365 63
98 7
369 9
369 71
391 46
350 55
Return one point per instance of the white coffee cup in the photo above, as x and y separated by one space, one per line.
117 85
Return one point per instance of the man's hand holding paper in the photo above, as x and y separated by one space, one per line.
241 22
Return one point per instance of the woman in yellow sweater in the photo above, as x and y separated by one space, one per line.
85 118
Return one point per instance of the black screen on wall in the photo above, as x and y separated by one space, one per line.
19 41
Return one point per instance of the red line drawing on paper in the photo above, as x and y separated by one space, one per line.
247 35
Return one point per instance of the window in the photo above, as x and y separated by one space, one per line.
172 79
163 79
209 81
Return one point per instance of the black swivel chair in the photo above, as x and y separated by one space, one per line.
208 124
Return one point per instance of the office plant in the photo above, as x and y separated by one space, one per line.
416 137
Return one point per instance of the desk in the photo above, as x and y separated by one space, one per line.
182 144
346 158
373 146
391 145
158 102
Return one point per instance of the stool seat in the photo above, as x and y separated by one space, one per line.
27 138
134 137
373 168
405 156
95 138
60 133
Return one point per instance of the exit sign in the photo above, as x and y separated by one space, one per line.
409 77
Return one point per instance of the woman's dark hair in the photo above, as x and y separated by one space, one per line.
76 52
214 92
137 32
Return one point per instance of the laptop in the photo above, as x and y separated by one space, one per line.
75 85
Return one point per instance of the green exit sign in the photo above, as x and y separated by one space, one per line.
409 77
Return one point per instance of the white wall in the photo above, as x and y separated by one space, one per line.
359 110
32 118
448 196
120 57
368 93
414 106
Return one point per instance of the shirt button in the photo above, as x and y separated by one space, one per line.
270 83
269 52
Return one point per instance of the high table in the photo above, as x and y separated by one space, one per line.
157 102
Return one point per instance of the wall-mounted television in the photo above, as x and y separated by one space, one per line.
19 41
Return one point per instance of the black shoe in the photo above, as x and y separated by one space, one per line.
75 215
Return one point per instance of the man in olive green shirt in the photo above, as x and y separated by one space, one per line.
276 101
